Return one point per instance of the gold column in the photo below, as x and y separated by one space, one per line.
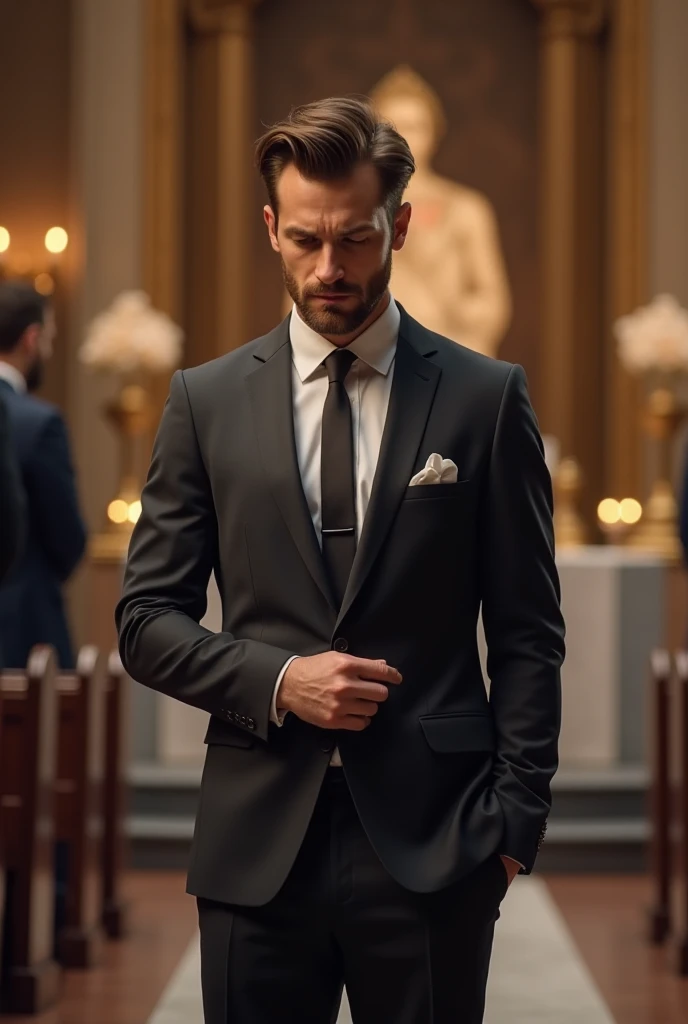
110 34
627 261
221 183
572 232
162 240
163 142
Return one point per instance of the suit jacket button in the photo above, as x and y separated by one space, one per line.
341 645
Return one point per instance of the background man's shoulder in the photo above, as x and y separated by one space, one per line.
29 412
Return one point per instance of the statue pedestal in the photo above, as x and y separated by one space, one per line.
161 730
614 603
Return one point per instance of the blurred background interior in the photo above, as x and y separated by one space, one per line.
551 204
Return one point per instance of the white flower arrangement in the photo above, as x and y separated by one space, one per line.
654 338
130 336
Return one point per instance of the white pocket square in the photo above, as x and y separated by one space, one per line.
437 471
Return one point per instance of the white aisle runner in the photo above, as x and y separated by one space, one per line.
537 975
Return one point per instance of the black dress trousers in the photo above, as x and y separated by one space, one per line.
340 919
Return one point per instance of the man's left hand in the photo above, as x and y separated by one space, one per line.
512 867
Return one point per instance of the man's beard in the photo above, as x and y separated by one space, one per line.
34 375
328 318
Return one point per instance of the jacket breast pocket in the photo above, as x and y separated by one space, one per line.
434 492
459 732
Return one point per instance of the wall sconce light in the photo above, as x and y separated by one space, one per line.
56 240
617 518
23 264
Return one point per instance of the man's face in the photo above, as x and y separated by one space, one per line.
40 344
335 242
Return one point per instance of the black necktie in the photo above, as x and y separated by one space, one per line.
337 476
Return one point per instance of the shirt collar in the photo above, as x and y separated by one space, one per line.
13 377
376 346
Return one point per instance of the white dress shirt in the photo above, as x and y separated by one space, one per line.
368 385
14 378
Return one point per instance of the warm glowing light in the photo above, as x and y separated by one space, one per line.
56 240
44 284
631 511
118 511
134 512
4 239
609 511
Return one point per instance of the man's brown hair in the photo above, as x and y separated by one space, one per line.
326 140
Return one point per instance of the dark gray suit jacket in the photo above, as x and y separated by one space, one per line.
443 777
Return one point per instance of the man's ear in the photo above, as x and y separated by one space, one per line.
30 338
401 226
271 221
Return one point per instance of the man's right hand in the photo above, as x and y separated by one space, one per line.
336 691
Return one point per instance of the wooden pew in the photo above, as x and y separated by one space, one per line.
660 797
114 853
28 758
79 810
680 901
2 876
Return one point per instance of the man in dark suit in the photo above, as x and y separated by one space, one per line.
12 506
361 487
31 604
683 511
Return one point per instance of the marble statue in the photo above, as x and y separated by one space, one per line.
450 275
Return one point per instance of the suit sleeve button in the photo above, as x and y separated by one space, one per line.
251 723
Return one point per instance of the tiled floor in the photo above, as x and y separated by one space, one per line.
607 920
128 984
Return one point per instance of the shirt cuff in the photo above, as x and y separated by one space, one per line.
277 715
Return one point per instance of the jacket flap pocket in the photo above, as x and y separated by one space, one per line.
227 735
459 732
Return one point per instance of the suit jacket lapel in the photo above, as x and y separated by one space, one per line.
413 391
270 388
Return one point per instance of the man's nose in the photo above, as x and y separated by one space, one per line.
328 269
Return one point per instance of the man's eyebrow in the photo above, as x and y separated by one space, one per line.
296 232
358 228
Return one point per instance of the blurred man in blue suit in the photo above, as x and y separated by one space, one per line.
31 604
683 510
12 507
